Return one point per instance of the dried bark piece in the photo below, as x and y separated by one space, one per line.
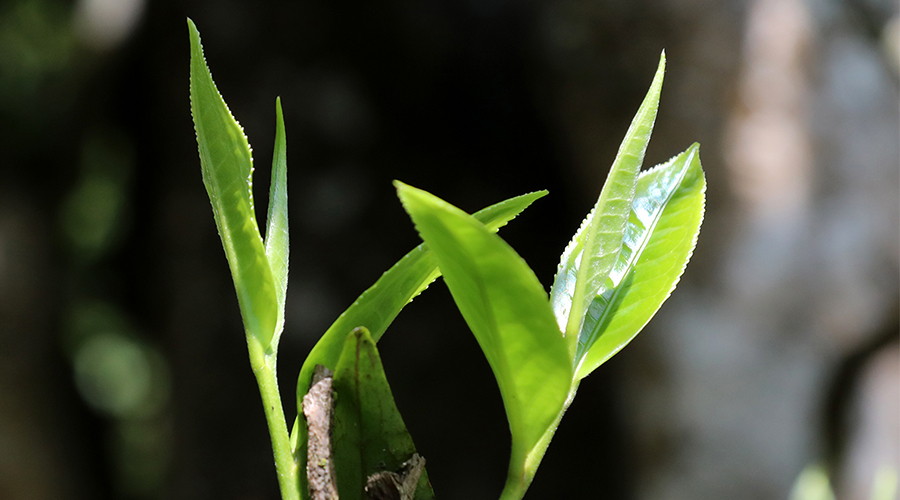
400 485
318 407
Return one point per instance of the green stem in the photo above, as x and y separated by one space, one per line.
518 481
263 365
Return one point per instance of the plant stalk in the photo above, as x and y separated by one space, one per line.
286 467
517 483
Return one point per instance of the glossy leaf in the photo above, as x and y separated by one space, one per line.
369 433
227 168
506 308
588 259
277 240
659 240
377 307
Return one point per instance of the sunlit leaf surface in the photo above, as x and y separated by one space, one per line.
507 309
587 261
227 169
377 307
277 249
659 239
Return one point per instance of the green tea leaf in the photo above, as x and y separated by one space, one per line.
659 240
588 259
277 239
369 433
227 173
377 307
506 308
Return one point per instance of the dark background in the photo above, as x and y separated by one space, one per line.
123 369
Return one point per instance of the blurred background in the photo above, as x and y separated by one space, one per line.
123 368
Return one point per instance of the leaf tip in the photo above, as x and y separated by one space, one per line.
405 192
362 335
194 34
279 115
660 69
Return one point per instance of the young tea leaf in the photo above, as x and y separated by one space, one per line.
369 434
506 308
588 259
227 173
277 240
659 240
377 307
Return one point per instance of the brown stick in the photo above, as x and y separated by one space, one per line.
318 407
400 485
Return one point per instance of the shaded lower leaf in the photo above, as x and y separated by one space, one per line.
369 434
659 240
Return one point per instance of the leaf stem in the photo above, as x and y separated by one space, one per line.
263 364
517 483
